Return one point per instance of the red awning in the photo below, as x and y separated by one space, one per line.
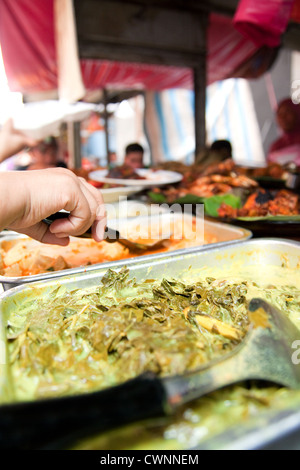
28 49
263 22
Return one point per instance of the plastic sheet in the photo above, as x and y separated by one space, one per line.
263 22
28 48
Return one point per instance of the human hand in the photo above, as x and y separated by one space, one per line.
13 141
26 198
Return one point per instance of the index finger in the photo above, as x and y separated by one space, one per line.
85 209
99 224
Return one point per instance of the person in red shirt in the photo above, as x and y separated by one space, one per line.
287 147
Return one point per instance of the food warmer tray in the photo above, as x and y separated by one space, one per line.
269 430
225 234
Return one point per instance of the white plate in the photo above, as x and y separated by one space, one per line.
153 178
118 194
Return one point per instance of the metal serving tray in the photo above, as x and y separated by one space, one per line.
225 234
263 255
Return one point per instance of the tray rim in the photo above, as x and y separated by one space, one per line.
7 282
146 262
282 423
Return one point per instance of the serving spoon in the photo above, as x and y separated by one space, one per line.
265 354
112 236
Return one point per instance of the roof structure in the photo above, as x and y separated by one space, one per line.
139 44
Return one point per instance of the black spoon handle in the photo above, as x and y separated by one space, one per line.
110 235
60 422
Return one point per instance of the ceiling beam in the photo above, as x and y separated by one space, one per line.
158 32
131 32
227 7
291 38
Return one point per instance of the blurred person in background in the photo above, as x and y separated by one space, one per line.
210 158
133 160
287 147
93 142
12 142
223 148
44 155
112 158
134 156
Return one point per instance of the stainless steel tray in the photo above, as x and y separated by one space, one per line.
262 255
225 234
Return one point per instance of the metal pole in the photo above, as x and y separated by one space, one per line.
200 104
74 145
105 99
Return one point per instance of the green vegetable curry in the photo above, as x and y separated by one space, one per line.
85 340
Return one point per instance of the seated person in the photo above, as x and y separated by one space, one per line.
222 147
134 156
287 147
210 160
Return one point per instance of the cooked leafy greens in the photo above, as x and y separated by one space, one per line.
57 326
70 342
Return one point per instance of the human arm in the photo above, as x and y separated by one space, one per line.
13 141
26 198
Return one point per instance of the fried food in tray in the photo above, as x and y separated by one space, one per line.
228 168
273 170
178 167
207 186
264 203
27 257
124 172
261 191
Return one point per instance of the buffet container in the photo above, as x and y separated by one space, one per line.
267 430
225 235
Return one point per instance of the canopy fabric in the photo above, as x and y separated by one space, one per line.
169 122
263 22
227 49
27 43
295 16
27 39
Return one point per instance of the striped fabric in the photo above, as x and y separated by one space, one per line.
230 114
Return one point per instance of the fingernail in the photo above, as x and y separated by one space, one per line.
62 235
